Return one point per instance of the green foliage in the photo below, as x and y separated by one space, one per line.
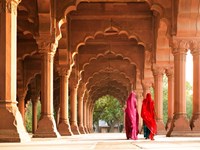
109 109
28 115
189 98
165 99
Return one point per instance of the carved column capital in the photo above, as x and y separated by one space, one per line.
63 70
9 6
47 45
179 46
195 47
170 72
158 70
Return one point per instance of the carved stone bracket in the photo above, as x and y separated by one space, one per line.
47 45
195 47
158 70
179 46
63 70
170 72
9 6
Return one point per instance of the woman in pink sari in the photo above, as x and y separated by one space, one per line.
131 117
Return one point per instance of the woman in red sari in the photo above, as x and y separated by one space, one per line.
131 117
148 116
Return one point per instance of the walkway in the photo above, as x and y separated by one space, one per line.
105 141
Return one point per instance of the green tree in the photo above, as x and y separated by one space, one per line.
109 109
165 99
28 115
189 98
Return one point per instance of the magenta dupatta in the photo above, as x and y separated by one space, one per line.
131 117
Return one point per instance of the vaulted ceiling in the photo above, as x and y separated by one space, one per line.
110 44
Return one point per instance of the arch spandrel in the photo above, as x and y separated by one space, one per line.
124 47
109 86
103 63
110 83
105 76
76 19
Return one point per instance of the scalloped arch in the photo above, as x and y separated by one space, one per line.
121 32
106 53
74 6
27 55
99 74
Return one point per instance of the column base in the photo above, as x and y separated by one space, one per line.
12 127
91 130
64 128
179 126
160 127
86 130
168 124
46 128
81 129
74 129
195 124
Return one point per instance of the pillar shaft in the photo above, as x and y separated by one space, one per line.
47 125
12 127
180 123
158 98
80 115
34 116
88 117
64 126
73 110
170 76
139 107
21 106
85 116
195 121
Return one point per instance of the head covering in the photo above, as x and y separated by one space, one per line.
148 113
131 117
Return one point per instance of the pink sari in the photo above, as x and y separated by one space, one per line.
131 117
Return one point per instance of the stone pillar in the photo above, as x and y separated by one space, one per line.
64 126
195 121
85 116
34 113
170 75
47 125
21 105
11 126
91 118
73 109
180 123
158 98
139 107
80 115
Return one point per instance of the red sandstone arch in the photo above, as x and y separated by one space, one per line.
121 77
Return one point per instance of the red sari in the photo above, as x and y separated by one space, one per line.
148 115
131 117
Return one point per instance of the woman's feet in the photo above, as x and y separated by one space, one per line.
151 136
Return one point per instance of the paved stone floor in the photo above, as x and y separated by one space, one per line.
105 141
